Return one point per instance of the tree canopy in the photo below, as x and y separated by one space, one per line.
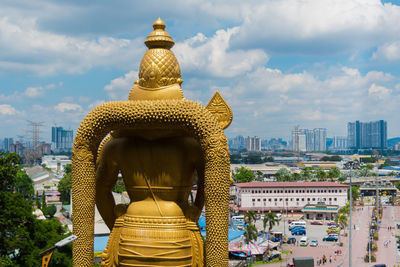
243 175
65 184
9 167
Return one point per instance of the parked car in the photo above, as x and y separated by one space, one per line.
313 243
291 240
317 223
331 223
332 226
304 241
298 231
330 238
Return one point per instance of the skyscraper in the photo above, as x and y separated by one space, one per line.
367 135
62 140
319 139
253 143
7 143
309 140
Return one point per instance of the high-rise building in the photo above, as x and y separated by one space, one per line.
319 139
6 144
367 135
239 142
339 143
62 140
309 140
253 143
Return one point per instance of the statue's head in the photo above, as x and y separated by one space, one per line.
159 73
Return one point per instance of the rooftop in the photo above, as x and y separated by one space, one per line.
289 184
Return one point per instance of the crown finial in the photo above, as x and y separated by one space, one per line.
159 24
159 38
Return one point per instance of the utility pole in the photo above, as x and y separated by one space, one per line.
351 165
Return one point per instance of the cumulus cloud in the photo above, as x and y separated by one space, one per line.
118 89
379 91
214 55
6 109
315 27
388 51
46 53
62 107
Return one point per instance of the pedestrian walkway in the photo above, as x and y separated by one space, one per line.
386 244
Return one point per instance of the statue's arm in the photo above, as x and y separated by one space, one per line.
106 177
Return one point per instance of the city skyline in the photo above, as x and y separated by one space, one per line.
277 64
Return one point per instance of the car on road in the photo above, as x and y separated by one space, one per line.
291 240
304 241
313 243
330 238
317 223
298 231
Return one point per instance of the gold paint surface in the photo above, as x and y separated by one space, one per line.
220 109
157 140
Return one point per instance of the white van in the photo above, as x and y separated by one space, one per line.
297 224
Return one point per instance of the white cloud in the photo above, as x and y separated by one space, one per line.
317 27
388 51
62 107
6 109
47 53
215 56
118 89
33 91
379 91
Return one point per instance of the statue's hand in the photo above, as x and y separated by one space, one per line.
192 213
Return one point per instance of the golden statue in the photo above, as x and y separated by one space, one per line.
158 141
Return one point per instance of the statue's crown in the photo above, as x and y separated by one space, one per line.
159 72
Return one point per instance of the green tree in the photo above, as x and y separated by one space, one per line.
50 211
9 167
334 172
271 220
44 204
250 216
307 173
392 173
64 187
283 174
243 175
24 185
37 201
250 233
331 158
397 185
23 237
320 174
355 193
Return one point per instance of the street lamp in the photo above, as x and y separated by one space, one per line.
49 252
351 165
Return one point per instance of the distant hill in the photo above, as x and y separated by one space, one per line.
393 141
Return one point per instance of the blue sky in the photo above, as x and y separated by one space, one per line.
278 64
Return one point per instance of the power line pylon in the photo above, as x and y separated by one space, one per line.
35 131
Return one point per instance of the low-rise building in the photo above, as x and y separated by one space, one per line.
292 196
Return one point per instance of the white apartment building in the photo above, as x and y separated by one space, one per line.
279 196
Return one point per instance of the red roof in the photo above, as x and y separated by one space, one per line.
289 184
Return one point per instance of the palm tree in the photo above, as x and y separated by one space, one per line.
271 220
250 216
250 233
